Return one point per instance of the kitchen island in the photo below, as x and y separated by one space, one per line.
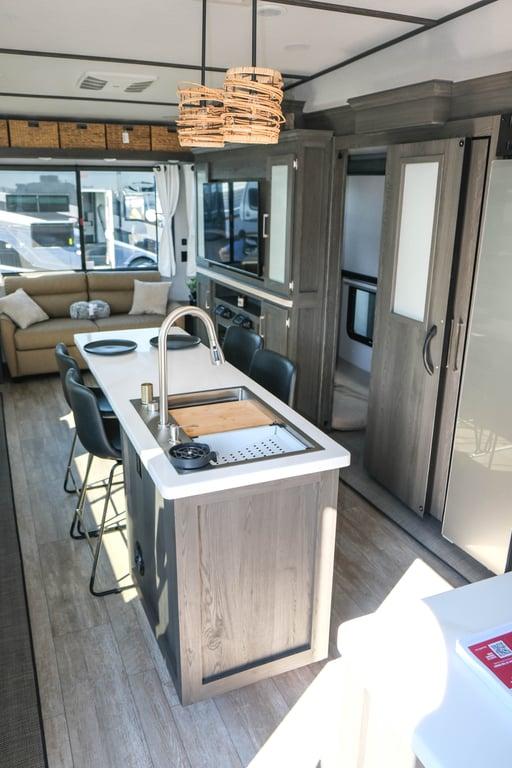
233 563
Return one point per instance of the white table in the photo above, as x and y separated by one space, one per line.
417 698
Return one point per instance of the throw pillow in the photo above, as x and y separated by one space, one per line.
149 298
89 310
22 309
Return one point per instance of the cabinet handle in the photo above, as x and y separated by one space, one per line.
262 326
264 226
207 300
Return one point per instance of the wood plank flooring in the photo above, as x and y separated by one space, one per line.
106 695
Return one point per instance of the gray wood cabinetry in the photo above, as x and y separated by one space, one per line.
274 322
205 301
236 585
295 189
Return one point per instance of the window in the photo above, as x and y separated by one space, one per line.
44 221
361 314
121 219
38 221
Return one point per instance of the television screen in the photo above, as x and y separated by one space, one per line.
231 224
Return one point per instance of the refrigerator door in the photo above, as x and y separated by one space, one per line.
478 513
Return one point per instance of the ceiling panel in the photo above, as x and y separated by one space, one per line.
433 9
31 107
167 30
299 40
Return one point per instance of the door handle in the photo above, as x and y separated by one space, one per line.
460 328
264 226
262 326
427 359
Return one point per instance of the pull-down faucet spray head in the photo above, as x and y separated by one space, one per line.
216 353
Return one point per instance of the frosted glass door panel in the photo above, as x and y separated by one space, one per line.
478 514
419 196
278 223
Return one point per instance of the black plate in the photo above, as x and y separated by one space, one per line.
177 341
110 347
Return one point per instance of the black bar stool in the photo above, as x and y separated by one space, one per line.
239 347
276 373
66 363
101 438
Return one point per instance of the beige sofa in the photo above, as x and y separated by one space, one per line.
31 351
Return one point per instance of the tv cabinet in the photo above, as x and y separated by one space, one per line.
286 305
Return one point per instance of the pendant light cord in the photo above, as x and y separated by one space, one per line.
254 30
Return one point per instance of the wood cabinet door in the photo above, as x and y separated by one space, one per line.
273 327
421 205
277 222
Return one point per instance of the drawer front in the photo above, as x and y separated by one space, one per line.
164 139
129 137
82 135
34 133
4 134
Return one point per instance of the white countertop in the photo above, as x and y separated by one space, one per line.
190 370
404 655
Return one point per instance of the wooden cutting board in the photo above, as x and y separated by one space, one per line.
221 417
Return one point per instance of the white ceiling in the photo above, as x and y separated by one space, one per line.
298 41
471 46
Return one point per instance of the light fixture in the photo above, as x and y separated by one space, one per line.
267 10
246 111
200 120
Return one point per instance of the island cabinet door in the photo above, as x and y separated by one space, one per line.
140 529
254 569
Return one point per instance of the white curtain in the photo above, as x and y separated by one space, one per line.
190 196
168 188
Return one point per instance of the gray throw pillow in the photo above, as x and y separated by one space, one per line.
149 298
89 310
22 309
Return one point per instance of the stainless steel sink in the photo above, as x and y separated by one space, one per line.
236 446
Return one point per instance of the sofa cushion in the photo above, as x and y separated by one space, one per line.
116 288
50 332
125 322
54 292
22 309
149 298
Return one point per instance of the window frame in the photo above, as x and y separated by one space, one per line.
355 282
76 169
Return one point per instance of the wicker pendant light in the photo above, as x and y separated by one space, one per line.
201 109
252 100
252 105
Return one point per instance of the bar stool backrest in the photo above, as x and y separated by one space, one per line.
89 424
66 363
276 373
239 347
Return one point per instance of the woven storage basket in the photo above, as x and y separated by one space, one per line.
164 139
201 119
4 134
138 135
33 133
82 135
252 105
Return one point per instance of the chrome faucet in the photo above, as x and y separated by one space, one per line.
216 353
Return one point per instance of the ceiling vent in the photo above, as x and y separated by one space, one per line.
115 82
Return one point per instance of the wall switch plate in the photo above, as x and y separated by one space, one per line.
240 301
126 137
